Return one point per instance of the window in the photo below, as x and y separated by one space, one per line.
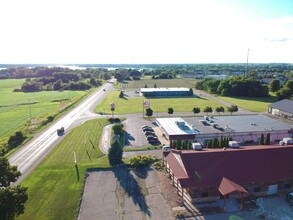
256 189
288 185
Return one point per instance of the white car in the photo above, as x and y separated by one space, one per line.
166 148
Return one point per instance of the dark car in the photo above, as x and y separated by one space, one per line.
152 137
145 126
147 129
149 133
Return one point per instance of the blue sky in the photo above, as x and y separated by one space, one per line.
152 31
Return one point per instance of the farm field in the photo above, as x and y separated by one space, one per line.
134 105
178 82
251 103
15 110
55 186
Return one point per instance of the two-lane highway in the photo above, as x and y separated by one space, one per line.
36 149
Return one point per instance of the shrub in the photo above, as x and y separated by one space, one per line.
16 139
142 160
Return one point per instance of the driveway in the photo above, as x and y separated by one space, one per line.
120 193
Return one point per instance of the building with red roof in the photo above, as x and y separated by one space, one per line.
211 174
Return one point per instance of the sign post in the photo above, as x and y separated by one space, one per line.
146 104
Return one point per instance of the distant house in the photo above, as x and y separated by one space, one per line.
212 174
161 92
283 108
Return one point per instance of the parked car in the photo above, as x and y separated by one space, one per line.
151 137
149 133
145 126
147 129
166 148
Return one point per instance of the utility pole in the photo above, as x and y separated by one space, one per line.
247 63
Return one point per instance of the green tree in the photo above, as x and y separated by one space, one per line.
57 85
155 86
196 110
121 94
284 93
178 145
115 153
289 85
268 139
190 92
16 139
185 145
208 110
232 108
170 111
145 86
274 85
149 112
117 129
12 199
220 109
261 141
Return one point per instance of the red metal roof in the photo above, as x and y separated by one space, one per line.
228 186
207 168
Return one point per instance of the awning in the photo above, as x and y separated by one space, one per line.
228 186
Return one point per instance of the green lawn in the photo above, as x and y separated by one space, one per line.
55 186
134 105
251 103
15 109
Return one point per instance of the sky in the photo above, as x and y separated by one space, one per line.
146 31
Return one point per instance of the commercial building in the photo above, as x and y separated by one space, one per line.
161 92
212 174
246 129
283 108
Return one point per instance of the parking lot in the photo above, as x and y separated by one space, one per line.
134 135
120 193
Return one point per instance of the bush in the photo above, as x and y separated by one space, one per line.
16 139
142 160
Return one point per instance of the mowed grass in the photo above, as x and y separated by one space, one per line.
160 83
251 103
15 109
134 105
55 186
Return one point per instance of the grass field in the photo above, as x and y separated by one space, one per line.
181 82
251 103
55 186
134 105
15 109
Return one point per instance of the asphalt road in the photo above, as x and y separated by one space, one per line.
36 149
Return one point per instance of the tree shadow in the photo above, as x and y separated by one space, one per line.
88 154
131 187
128 138
77 172
92 144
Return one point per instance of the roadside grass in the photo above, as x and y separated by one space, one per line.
251 103
178 82
134 105
55 186
15 109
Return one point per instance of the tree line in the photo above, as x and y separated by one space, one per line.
284 91
234 86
